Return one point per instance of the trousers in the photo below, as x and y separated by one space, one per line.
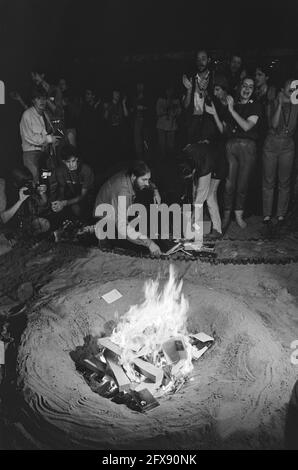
278 156
241 157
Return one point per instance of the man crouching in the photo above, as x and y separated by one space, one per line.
115 198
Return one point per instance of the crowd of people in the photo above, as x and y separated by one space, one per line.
227 129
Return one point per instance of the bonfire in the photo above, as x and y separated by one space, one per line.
150 347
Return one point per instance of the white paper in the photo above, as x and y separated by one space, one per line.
197 353
203 337
2 353
112 296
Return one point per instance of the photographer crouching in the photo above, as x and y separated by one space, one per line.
75 184
29 215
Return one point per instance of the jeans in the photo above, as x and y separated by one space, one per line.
241 156
278 153
32 160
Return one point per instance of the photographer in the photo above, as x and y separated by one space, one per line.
32 216
37 133
7 214
75 182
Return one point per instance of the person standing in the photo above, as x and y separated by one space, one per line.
36 133
278 153
168 109
241 150
139 111
115 114
198 87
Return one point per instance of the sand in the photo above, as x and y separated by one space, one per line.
240 388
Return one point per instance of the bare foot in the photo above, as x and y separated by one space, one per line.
241 222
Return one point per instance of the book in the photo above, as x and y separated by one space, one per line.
186 247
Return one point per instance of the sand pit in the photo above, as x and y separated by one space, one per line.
237 398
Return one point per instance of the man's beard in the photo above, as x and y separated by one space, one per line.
202 68
136 187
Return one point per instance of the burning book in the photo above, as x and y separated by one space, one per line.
150 348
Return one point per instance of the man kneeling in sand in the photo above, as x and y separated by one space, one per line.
118 194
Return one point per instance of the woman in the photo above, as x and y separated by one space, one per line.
241 127
278 153
207 155
219 111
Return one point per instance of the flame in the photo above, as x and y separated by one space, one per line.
146 327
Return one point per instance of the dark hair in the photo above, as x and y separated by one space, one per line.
221 81
236 54
68 151
38 92
248 77
264 68
203 50
287 80
138 168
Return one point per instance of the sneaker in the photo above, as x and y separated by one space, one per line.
267 220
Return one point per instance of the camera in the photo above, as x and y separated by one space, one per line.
30 189
58 130
45 174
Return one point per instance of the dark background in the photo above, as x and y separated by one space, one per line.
105 43
94 39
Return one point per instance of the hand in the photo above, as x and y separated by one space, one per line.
124 100
156 197
186 82
230 102
210 109
41 189
37 78
22 196
154 249
56 139
57 206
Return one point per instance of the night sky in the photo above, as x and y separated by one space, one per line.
85 41
48 31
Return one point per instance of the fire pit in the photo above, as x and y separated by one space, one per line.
223 406
149 352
